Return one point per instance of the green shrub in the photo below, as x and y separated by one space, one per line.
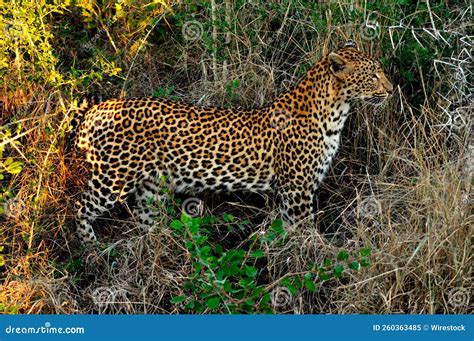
232 280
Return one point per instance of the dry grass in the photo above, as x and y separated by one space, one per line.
401 185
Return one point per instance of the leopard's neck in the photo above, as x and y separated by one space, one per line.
326 102
317 99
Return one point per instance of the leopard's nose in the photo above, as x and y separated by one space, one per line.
390 88
387 85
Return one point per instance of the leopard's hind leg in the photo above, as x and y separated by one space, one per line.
148 197
94 202
101 195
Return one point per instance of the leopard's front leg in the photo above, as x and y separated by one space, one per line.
297 202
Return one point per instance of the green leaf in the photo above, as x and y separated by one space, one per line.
292 288
199 240
364 262
258 290
309 283
354 265
338 270
327 262
298 282
228 218
205 250
227 286
178 299
199 307
176 224
213 303
288 282
323 276
250 271
277 224
208 289
342 255
185 218
233 270
366 252
13 167
194 225
190 305
212 220
257 254
247 283
265 299
218 249
13 309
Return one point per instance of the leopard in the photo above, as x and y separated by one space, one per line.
287 146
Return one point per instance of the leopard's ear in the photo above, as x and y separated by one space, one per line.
338 64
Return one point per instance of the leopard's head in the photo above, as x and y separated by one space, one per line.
357 75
